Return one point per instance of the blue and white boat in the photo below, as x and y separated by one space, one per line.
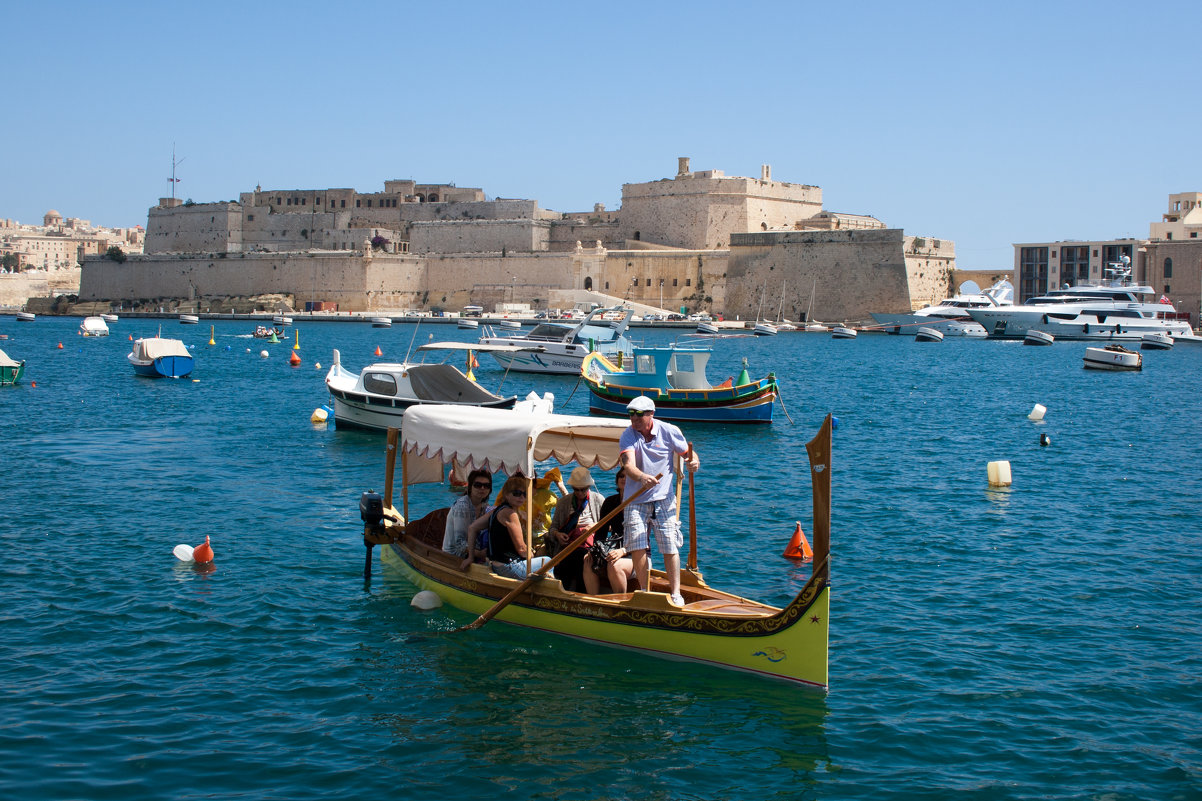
675 378
156 357
560 348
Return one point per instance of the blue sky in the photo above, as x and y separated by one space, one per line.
987 124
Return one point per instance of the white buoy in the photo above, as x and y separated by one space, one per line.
183 553
319 415
999 474
264 354
317 366
426 600
1037 413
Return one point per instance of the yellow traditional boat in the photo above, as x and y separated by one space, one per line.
713 626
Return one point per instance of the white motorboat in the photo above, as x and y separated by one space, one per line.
465 322
706 327
377 396
560 348
1159 340
281 319
381 322
93 327
927 334
1115 310
1113 357
26 317
188 319
109 318
1037 337
951 315
510 325
842 332
762 329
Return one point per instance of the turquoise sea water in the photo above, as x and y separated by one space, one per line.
1040 641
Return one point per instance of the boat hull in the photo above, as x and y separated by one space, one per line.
1036 337
928 334
359 411
561 361
1105 327
1159 341
843 332
10 374
752 403
1113 358
163 367
790 644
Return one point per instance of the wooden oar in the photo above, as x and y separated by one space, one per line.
692 514
389 469
819 450
559 557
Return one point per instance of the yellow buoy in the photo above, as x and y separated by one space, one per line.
212 328
297 345
999 474
319 415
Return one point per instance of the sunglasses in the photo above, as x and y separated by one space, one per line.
521 493
482 485
640 414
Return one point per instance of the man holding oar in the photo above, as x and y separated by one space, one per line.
647 448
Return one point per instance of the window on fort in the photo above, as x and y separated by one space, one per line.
303 201
369 203
250 218
607 284
637 236
635 282
356 203
688 282
648 282
316 201
1193 234
1166 289
1168 269
674 280
344 204
289 201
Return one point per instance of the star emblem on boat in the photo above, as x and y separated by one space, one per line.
815 619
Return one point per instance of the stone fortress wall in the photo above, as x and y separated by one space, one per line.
675 242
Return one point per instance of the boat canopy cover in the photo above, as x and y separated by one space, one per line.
6 361
442 382
502 440
157 348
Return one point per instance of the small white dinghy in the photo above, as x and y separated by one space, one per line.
762 329
381 322
109 318
465 322
1034 337
512 325
1157 340
843 332
188 319
704 327
26 317
1113 357
926 334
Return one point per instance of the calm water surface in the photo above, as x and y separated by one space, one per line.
1039 641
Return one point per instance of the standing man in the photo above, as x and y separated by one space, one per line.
647 448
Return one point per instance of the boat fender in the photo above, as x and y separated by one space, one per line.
263 354
1037 413
426 600
319 416
1044 440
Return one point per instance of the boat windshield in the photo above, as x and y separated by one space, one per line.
552 331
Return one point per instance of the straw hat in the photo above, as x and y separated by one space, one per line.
580 478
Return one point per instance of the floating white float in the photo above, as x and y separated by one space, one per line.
1038 412
426 600
999 474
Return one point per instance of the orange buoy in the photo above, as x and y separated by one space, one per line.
34 384
203 553
378 351
294 360
60 346
131 337
799 547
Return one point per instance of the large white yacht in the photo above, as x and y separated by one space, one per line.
950 316
1115 310
561 348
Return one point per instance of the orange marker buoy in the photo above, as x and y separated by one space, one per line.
799 547
203 553
131 337
60 346
378 351
294 360
34 384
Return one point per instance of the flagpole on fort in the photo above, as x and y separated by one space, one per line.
173 179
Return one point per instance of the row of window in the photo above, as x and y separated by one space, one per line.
635 281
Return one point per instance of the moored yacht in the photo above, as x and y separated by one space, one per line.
951 315
1116 310
562 347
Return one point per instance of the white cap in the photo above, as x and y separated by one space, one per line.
641 404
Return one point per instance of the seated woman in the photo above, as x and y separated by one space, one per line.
506 540
464 511
573 515
606 557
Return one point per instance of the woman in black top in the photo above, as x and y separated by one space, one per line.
606 558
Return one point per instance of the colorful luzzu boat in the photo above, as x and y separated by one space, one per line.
11 370
674 377
713 627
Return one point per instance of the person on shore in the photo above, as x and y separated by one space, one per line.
646 449
506 540
465 511
574 514
606 558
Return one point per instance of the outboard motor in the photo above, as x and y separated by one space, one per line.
371 508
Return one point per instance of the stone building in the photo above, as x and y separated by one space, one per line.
675 242
61 243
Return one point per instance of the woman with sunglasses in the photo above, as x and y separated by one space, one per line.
464 511
506 539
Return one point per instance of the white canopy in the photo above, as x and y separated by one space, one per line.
5 361
502 440
156 348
